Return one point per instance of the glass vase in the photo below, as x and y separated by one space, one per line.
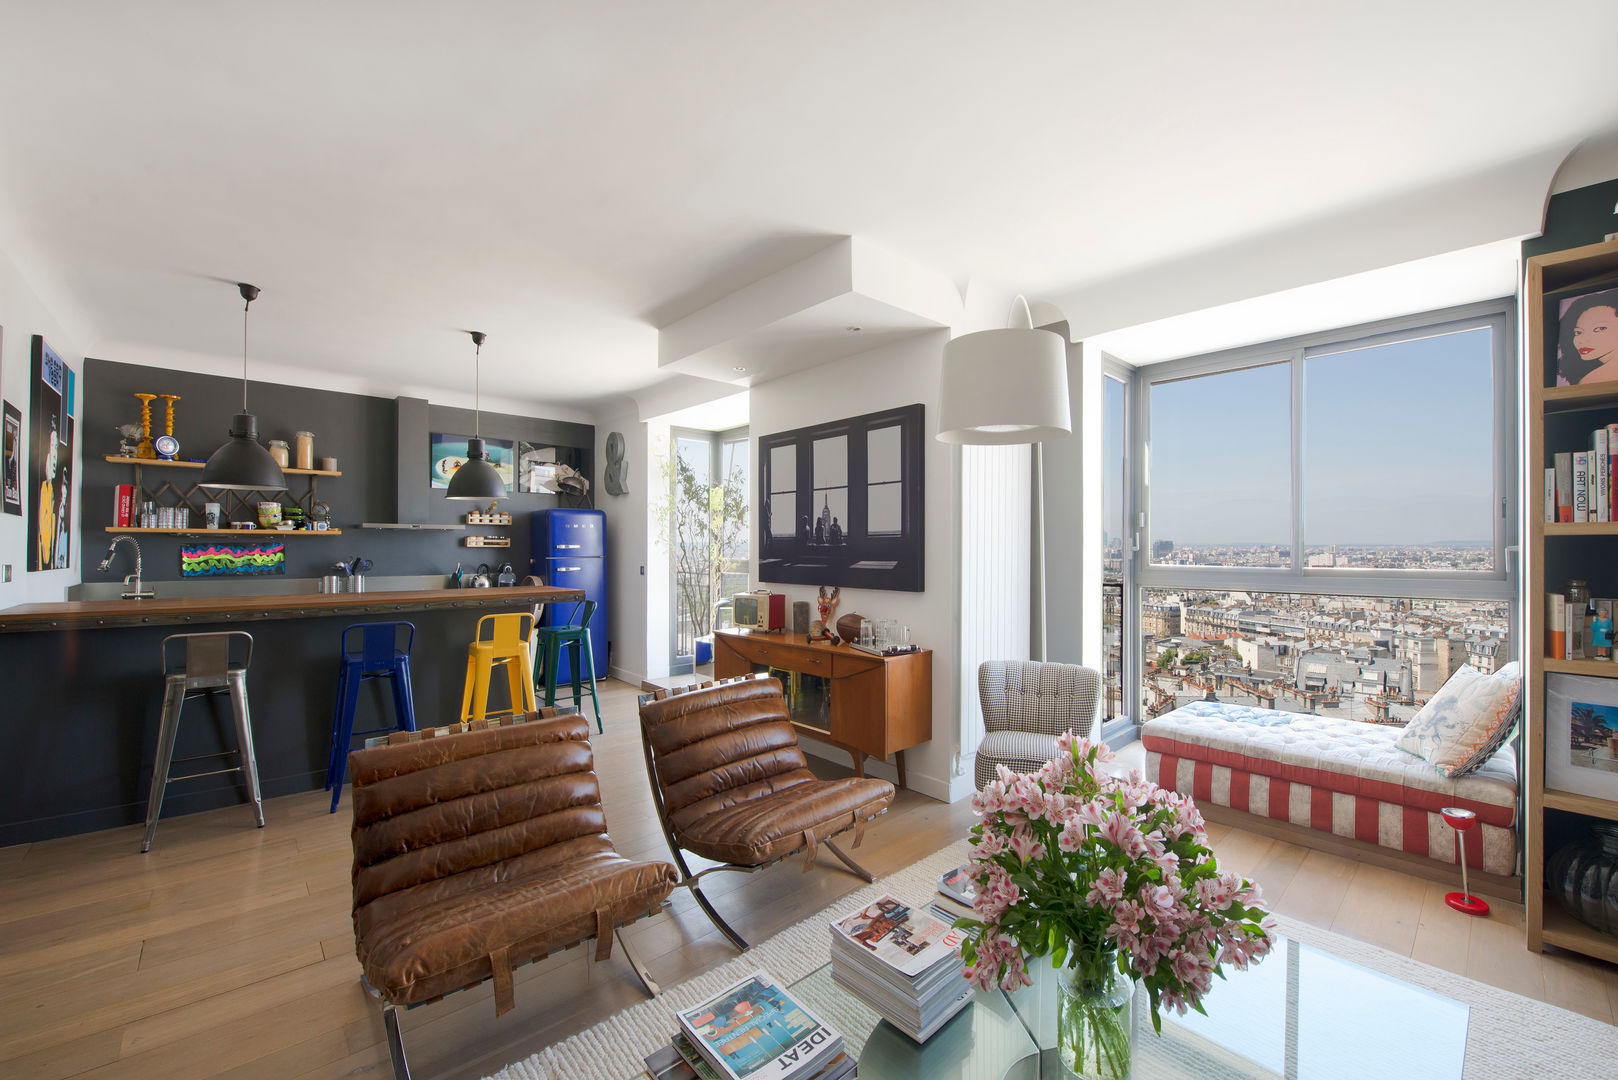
1093 1021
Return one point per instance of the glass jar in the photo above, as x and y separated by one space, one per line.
1583 877
306 449
1578 594
1093 1022
280 452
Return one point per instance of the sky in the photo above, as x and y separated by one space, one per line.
1397 449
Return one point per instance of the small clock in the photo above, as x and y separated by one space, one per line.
166 446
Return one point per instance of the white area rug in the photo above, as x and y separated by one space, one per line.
1509 1036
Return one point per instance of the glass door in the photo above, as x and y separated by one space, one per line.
708 539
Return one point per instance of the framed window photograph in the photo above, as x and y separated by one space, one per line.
1581 735
841 503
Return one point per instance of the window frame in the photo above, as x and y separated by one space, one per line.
1493 584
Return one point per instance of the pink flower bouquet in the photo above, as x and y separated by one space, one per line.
1103 873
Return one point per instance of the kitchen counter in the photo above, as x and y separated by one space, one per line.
169 611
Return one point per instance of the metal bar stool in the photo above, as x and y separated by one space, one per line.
209 668
383 653
575 635
507 644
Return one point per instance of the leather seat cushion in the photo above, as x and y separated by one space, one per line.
428 940
756 830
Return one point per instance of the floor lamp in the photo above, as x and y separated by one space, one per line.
1006 387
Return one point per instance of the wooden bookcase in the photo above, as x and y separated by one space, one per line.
1556 552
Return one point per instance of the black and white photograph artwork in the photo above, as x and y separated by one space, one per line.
840 503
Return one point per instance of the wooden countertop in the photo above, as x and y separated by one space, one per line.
90 614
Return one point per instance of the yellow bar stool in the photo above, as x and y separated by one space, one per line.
506 642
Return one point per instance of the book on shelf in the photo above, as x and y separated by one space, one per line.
1612 472
1581 486
904 962
754 1029
1550 494
123 505
1564 487
1556 625
1600 467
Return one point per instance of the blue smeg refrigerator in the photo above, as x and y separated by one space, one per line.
569 551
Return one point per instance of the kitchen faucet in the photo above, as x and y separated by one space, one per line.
131 592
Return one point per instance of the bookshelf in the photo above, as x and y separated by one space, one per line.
1558 551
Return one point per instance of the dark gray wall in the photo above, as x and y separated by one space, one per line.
360 431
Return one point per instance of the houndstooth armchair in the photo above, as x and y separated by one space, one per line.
1026 705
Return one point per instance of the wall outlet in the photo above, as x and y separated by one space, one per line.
5 574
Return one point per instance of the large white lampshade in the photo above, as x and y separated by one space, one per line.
1005 386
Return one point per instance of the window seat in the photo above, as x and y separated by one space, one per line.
1341 777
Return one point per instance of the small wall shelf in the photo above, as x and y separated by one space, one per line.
223 532
479 517
159 462
487 541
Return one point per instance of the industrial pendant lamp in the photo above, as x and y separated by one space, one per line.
242 464
476 479
1009 386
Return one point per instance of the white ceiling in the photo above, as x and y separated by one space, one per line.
570 177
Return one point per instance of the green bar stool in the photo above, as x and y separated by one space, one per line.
574 635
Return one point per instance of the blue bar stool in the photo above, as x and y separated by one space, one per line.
575 635
383 653
214 664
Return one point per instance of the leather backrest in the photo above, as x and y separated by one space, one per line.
439 807
726 737
1023 695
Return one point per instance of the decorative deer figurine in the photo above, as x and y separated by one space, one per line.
826 602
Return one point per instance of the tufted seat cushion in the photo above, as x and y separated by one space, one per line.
735 786
477 852
1339 776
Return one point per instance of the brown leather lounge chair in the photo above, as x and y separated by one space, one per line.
731 785
480 851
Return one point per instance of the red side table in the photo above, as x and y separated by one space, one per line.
1462 820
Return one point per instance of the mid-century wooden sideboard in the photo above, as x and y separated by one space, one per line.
880 705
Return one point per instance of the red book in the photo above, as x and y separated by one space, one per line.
123 505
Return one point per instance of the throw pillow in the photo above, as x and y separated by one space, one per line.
1470 718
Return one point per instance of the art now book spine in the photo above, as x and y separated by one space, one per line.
1581 486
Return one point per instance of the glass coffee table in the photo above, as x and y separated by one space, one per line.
1302 1013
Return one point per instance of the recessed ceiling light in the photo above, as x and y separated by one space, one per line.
740 368
853 329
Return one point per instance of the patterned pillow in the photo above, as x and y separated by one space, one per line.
1470 718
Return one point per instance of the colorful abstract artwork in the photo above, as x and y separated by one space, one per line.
448 453
213 560
50 461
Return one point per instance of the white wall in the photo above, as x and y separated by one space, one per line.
637 566
23 315
901 374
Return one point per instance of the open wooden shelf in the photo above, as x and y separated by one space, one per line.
1581 528
1600 669
1564 930
1588 805
223 532
1585 396
159 462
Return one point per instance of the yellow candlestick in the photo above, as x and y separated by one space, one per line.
145 449
169 400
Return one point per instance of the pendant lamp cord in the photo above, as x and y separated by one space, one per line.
477 390
245 305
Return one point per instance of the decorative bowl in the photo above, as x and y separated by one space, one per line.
269 514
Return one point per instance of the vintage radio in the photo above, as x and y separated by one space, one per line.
760 610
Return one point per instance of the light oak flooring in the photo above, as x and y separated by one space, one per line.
228 950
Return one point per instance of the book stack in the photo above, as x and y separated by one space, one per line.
903 962
1582 485
956 893
751 1030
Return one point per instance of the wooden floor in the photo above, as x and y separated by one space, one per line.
228 950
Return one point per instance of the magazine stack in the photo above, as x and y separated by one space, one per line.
956 893
904 962
752 1030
